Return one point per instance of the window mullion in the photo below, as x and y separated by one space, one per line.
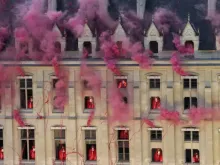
26 94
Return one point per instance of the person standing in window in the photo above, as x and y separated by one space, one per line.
90 103
62 154
30 103
32 152
1 153
92 153
158 156
122 84
155 103
196 158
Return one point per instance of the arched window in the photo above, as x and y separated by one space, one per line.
87 46
57 47
189 44
154 46
157 155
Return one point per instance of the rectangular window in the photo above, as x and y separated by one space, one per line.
190 83
1 145
190 102
89 104
191 136
157 155
123 146
60 144
54 82
192 156
156 135
28 144
60 5
90 142
26 93
155 83
155 103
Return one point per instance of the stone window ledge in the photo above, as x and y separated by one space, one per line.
91 163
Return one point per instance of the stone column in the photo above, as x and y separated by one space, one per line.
209 143
71 92
137 141
146 156
136 94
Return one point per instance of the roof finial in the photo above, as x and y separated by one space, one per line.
188 17
152 18
119 18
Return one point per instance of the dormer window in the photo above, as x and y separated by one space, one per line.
87 46
153 46
189 44
24 47
57 47
60 5
122 83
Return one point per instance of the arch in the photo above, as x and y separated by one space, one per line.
189 44
153 45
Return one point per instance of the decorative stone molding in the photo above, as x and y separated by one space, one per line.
153 34
190 34
87 36
119 33
217 40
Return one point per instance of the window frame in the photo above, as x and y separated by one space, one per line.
53 90
91 141
190 82
25 78
192 137
192 151
124 143
88 110
153 150
59 139
2 140
156 134
27 139
190 102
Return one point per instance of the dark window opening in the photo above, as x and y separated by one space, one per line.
155 83
60 144
156 135
190 102
26 94
89 102
189 44
55 80
1 145
123 134
125 100
187 135
24 47
157 155
90 139
123 146
27 144
122 83
88 47
71 42
3 45
60 5
192 156
155 102
57 47
154 46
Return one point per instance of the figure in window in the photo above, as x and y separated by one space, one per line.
158 157
155 103
123 134
32 152
122 84
62 154
1 153
196 158
92 153
90 103
30 103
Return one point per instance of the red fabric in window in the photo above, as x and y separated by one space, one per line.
196 158
62 154
90 103
1 154
92 153
32 153
30 103
155 103
158 156
124 134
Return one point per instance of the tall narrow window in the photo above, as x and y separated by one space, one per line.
157 155
57 47
154 46
60 144
90 140
123 146
24 47
54 93
26 93
28 144
1 145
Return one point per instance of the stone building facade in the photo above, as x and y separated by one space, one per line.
47 129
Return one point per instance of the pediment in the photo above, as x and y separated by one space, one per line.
152 31
188 30
56 29
87 31
119 31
